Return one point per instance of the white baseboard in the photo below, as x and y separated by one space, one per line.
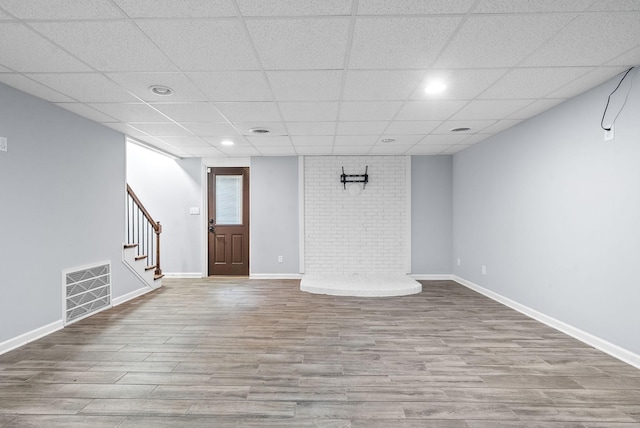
607 347
431 277
183 275
23 339
275 276
130 296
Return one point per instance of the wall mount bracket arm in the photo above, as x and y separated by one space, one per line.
355 178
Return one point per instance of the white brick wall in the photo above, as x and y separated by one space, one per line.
364 233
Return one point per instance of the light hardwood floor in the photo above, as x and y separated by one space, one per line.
260 353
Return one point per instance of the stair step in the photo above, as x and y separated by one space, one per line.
142 257
130 245
150 267
157 277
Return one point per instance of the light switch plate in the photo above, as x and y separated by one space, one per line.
194 210
3 144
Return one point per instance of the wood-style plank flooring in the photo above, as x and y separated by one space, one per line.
260 353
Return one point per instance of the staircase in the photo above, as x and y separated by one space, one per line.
141 252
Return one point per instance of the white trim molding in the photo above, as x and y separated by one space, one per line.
607 347
431 277
275 276
30 336
183 275
130 296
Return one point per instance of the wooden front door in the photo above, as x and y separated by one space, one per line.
228 221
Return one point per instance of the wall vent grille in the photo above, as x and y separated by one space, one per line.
87 290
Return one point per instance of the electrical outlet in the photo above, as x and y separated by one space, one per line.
458 262
609 135
484 270
280 259
3 144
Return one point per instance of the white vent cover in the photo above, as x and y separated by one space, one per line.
86 290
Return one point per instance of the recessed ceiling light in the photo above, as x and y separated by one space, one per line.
462 129
435 87
259 131
388 140
227 143
163 91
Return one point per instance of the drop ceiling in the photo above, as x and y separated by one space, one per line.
325 76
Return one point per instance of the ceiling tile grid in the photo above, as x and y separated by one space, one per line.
324 77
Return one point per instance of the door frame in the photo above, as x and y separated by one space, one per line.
204 223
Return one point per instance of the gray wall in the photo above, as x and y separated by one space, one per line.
431 214
274 215
553 212
168 189
62 206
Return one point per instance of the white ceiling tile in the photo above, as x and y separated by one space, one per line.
495 41
532 82
185 142
205 152
535 108
427 149
528 6
609 5
161 129
388 149
590 39
408 42
476 138
176 9
464 84
61 9
489 109
455 149
249 112
277 151
4 16
410 127
314 150
356 140
429 110
130 131
361 128
365 85
309 112
276 128
400 140
443 139
294 7
202 45
500 126
34 88
129 112
4 70
190 112
418 7
232 85
294 44
306 85
369 110
628 59
238 141
314 140
139 84
85 87
86 111
223 129
586 82
475 125
266 140
351 150
311 128
24 51
107 45
236 151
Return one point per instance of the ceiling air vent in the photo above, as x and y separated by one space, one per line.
259 131
463 129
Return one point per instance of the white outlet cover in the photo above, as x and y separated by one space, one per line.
194 210
609 135
3 144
